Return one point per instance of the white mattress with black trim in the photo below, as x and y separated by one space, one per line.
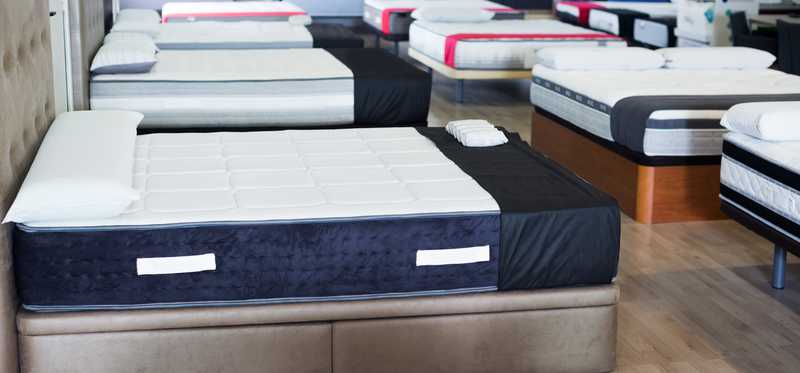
579 12
288 216
229 11
393 17
762 180
268 88
660 112
655 32
500 44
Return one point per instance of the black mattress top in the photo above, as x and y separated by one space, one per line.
389 91
334 36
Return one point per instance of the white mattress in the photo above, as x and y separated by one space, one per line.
651 33
293 175
233 65
608 87
655 10
233 87
373 9
760 188
497 54
233 35
263 10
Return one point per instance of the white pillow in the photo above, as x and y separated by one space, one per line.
717 58
451 14
771 121
128 36
138 16
599 58
83 170
300 20
125 57
152 29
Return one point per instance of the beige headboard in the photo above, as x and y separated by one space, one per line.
86 30
26 111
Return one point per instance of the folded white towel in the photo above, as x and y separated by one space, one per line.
770 121
456 125
483 138
476 133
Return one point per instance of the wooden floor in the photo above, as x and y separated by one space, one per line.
695 296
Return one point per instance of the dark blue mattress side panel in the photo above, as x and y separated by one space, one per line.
254 261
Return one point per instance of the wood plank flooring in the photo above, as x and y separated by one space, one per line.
695 296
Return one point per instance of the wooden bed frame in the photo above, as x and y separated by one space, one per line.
460 75
649 194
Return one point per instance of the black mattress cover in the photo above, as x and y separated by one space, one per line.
389 91
334 36
553 230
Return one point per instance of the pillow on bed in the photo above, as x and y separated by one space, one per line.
128 36
451 14
125 57
83 169
740 58
138 16
599 58
138 27
771 121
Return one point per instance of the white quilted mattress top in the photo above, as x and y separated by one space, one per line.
611 86
294 175
232 32
169 9
239 65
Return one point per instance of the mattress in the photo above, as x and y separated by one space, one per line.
655 32
233 35
393 17
269 88
578 12
657 113
761 179
229 11
498 45
615 21
254 35
233 87
290 216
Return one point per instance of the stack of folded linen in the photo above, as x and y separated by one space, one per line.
476 133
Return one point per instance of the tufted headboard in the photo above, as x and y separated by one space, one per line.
86 32
26 111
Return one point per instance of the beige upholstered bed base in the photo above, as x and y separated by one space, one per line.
565 330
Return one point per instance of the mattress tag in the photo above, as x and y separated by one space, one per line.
453 256
176 264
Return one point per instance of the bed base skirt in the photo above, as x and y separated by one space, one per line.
565 330
460 75
648 194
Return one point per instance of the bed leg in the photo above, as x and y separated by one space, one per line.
460 91
377 41
396 48
778 267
